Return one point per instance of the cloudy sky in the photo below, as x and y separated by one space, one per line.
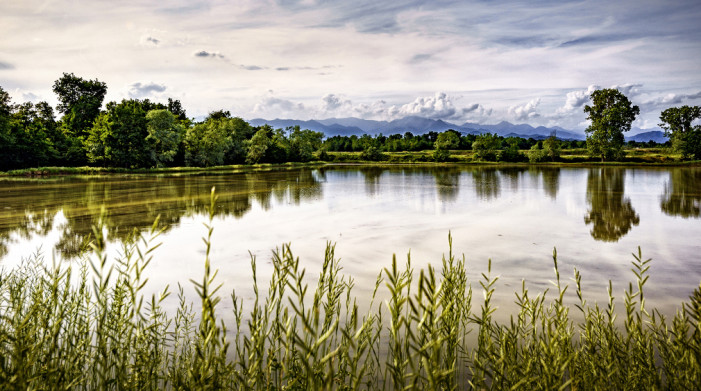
479 61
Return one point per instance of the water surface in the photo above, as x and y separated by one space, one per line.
595 217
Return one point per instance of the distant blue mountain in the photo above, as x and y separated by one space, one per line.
329 130
418 125
655 135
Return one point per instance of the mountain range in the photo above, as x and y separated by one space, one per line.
418 125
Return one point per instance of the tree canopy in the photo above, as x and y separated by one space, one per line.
611 114
678 125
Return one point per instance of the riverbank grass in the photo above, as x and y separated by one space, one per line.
98 331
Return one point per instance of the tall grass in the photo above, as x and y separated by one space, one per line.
96 330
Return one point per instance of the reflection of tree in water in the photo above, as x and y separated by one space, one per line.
611 214
512 174
486 182
682 194
447 183
372 179
30 207
551 181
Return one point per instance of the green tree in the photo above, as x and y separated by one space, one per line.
80 101
551 147
118 137
685 137
486 146
511 153
303 143
207 143
445 141
164 136
7 138
240 132
536 154
611 114
257 147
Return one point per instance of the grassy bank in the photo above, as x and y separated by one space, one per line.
90 327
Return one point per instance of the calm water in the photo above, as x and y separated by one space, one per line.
596 217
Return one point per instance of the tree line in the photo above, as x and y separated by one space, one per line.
138 133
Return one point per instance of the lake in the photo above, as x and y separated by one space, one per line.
595 217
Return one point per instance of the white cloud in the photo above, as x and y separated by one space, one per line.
671 99
576 99
206 54
629 90
271 107
526 111
332 102
439 106
145 90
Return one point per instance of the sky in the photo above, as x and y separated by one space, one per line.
532 62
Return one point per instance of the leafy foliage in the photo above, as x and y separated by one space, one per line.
611 114
678 125
486 146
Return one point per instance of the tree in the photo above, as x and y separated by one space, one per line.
611 114
303 143
79 100
164 136
685 137
551 147
118 137
445 141
7 139
511 153
207 143
257 147
486 146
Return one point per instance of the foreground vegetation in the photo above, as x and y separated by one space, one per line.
97 331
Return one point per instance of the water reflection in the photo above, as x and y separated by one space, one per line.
682 193
551 181
372 179
31 208
486 183
513 176
447 183
610 212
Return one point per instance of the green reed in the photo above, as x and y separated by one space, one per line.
96 330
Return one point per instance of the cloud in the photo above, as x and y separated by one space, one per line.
439 106
526 111
332 102
628 90
251 67
206 54
672 99
280 108
140 90
30 97
576 99
419 58
6 65
148 40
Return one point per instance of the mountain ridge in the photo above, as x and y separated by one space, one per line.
416 125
